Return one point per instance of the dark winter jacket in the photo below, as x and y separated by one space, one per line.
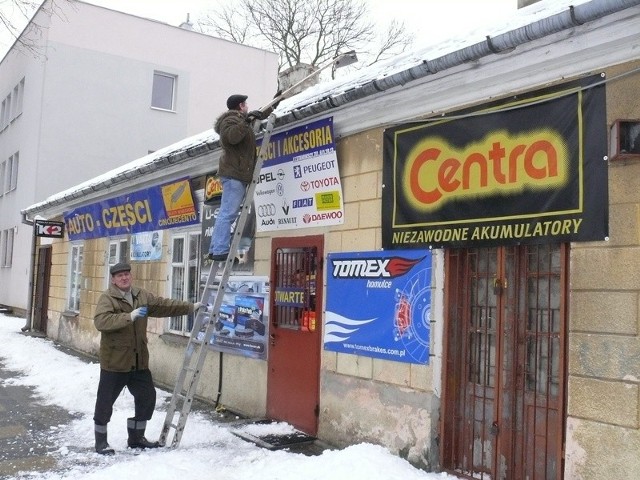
123 342
238 142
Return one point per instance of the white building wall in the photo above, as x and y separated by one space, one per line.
87 105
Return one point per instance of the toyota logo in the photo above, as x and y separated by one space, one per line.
266 210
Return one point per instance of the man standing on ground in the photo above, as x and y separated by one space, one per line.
121 317
238 159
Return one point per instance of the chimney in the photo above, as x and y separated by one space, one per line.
526 3
293 75
187 25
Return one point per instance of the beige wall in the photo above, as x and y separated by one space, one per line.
604 346
397 404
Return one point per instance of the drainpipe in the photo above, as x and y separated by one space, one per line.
29 320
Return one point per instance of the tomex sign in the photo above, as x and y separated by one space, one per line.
46 228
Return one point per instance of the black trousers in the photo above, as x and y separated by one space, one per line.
139 383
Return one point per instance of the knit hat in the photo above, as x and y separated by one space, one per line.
235 100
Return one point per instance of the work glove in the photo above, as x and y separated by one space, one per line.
254 115
197 306
138 313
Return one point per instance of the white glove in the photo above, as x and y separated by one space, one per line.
138 313
197 306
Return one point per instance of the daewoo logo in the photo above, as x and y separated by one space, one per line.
373 267
436 171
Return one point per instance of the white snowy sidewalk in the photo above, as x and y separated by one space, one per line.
207 449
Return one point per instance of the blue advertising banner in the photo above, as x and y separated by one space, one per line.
159 207
379 304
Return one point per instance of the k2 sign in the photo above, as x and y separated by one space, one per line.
46 228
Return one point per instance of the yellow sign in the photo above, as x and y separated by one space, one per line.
328 200
212 188
177 199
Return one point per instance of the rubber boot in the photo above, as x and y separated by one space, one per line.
102 446
136 434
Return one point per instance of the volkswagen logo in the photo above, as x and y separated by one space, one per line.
266 210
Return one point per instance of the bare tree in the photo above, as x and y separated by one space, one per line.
16 18
306 31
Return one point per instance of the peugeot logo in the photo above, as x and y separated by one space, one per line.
266 210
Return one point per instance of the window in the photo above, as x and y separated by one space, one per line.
3 170
6 246
14 160
624 139
18 94
9 174
118 252
7 112
75 278
185 275
163 95
3 114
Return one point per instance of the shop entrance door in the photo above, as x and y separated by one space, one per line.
504 392
293 379
41 296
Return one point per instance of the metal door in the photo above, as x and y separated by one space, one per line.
504 390
41 295
293 380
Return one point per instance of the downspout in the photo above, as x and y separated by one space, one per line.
29 318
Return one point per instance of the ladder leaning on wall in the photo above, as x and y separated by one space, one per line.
206 318
197 346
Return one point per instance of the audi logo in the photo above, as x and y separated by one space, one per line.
266 210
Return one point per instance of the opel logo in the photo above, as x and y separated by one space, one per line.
266 210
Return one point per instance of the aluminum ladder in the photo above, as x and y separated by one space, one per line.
197 349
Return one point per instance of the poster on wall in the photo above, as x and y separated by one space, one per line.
241 326
146 246
378 305
299 184
530 171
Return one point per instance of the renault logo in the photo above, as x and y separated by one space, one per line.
266 210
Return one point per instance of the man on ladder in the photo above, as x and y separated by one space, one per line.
238 159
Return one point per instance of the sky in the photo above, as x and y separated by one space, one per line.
66 381
427 19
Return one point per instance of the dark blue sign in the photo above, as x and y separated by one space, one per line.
306 142
156 208
379 305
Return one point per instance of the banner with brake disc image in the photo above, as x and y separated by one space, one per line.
378 304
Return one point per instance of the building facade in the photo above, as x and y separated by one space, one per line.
462 289
104 87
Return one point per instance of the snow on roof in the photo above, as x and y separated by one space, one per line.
351 80
438 48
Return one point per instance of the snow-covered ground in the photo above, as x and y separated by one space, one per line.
207 449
